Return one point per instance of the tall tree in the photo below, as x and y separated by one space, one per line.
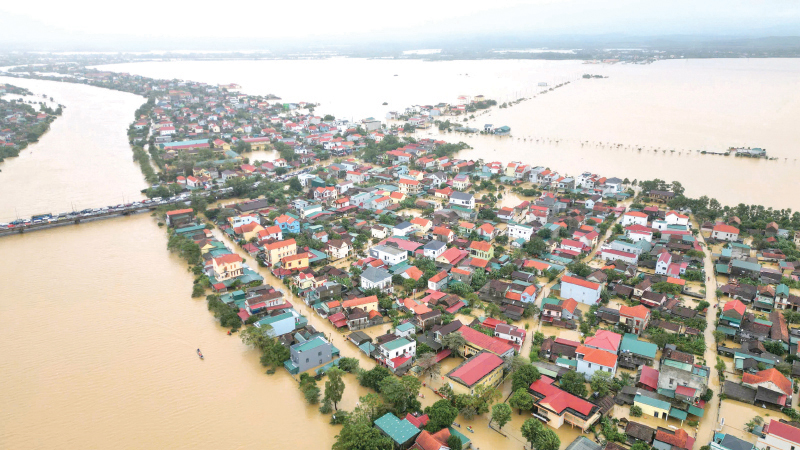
441 414
548 440
524 377
361 436
531 429
501 413
574 383
334 387
521 400
454 341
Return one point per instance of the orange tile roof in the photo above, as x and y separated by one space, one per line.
479 262
638 311
597 356
722 228
228 259
359 301
279 244
482 246
769 375
414 273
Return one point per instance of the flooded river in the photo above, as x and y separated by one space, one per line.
84 161
98 335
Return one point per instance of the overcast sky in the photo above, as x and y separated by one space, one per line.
57 21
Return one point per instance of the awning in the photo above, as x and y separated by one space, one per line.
667 392
695 411
677 413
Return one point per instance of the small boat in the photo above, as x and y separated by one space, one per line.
469 428
456 425
199 353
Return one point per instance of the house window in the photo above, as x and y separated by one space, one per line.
319 353
306 359
655 414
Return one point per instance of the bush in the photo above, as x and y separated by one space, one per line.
349 365
636 411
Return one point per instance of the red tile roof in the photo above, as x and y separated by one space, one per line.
649 377
783 430
579 282
735 305
559 400
636 214
604 339
685 391
476 368
418 422
679 438
435 441
483 341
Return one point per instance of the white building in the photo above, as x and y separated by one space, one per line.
609 254
518 230
389 255
239 221
673 218
582 291
373 278
462 199
433 249
590 360
634 218
398 347
724 232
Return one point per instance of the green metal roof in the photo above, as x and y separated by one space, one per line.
464 440
568 362
695 411
401 431
721 268
408 326
679 365
395 344
656 403
677 413
631 343
746 265
312 344
727 330
667 392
